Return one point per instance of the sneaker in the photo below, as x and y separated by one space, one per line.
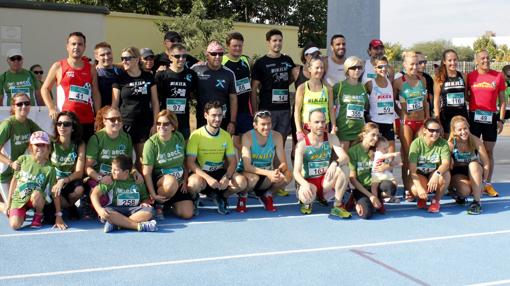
241 204
222 204
36 221
148 226
267 201
422 204
282 193
305 209
340 212
460 201
474 208
409 197
490 191
108 227
434 206
322 202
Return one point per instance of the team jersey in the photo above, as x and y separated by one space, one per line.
23 81
413 97
313 100
14 137
210 150
124 193
32 177
166 157
484 90
105 80
353 101
335 72
382 103
241 69
463 158
74 92
135 97
360 163
275 75
428 158
316 159
453 93
104 149
64 160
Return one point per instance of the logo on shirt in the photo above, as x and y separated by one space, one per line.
188 77
220 83
485 85
70 74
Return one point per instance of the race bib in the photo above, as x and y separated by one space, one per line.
26 189
462 157
224 109
80 94
484 117
316 169
385 107
128 199
414 104
455 99
211 167
62 174
280 95
355 111
371 75
25 90
105 169
243 85
176 105
426 168
176 172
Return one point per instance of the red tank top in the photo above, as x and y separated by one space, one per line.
74 93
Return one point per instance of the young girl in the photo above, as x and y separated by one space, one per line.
381 156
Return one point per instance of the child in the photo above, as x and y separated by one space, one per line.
381 156
128 201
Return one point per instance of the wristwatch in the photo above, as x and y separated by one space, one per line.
99 178
58 214
438 173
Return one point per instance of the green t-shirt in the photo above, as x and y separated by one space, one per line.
165 157
210 150
104 149
507 90
360 162
126 193
64 160
24 82
353 101
14 136
32 177
426 158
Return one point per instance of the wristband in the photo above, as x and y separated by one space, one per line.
438 173
58 214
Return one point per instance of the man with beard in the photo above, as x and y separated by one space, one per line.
375 51
335 62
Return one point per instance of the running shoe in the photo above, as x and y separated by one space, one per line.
108 227
282 193
490 191
340 212
241 204
474 208
148 226
305 209
434 206
460 201
322 202
222 204
36 221
422 204
267 201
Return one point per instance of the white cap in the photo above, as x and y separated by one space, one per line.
14 52
311 50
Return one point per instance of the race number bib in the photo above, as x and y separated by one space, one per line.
62 174
24 90
455 99
26 189
484 117
316 169
243 85
426 168
280 95
355 111
414 104
105 169
176 105
371 75
128 199
176 172
80 94
385 107
211 167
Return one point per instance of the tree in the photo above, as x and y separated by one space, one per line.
433 50
393 51
465 53
486 43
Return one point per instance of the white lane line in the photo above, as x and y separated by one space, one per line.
251 255
43 233
500 282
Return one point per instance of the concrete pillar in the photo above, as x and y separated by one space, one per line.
358 20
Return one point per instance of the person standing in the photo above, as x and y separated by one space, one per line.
17 79
107 73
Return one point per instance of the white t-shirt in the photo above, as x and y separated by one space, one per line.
335 72
382 103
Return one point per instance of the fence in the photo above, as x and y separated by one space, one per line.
464 67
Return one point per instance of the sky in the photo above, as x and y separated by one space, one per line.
411 21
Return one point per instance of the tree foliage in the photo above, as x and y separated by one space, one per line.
393 51
486 43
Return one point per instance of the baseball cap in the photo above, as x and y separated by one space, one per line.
14 52
145 52
311 50
172 35
39 137
375 43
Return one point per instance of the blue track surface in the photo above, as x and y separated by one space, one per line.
406 246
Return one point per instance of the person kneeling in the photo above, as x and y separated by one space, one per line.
129 202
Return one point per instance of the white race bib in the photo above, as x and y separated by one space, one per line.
243 85
128 199
177 172
455 99
385 107
355 111
414 104
176 105
79 93
211 167
484 117
316 169
280 95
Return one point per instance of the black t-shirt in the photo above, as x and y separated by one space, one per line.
163 60
274 75
135 97
105 79
241 70
430 91
175 92
214 85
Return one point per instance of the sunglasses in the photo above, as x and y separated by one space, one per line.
182 56
114 119
358 68
148 58
422 62
381 66
262 113
434 130
64 123
216 54
127 59
38 72
163 124
16 58
21 103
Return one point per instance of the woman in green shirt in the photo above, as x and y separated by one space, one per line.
163 167
14 134
352 99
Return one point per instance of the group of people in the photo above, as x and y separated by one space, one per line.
122 141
